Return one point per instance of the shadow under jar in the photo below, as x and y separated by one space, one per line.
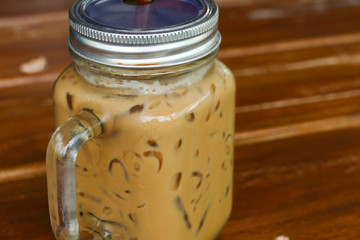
144 147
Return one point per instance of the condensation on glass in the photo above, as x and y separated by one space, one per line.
145 116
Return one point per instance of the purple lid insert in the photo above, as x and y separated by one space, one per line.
143 14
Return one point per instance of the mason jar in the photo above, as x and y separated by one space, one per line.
145 117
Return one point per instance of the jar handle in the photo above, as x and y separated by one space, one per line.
60 167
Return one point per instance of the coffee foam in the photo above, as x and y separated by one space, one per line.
145 86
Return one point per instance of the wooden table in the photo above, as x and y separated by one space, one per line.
297 158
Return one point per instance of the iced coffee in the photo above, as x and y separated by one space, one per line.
163 168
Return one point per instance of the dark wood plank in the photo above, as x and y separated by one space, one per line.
266 21
289 87
296 73
24 211
40 40
26 119
16 8
303 188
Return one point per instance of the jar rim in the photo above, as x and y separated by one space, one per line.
142 73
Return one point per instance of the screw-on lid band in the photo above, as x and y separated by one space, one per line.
161 33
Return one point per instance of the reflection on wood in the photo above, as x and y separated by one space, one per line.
33 19
299 129
27 171
291 45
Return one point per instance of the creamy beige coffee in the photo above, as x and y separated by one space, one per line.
163 168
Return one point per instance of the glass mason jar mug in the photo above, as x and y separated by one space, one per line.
144 147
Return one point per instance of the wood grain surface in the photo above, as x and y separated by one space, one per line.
297 141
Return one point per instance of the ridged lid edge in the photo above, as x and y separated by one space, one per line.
145 37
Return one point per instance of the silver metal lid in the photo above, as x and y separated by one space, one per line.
159 34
